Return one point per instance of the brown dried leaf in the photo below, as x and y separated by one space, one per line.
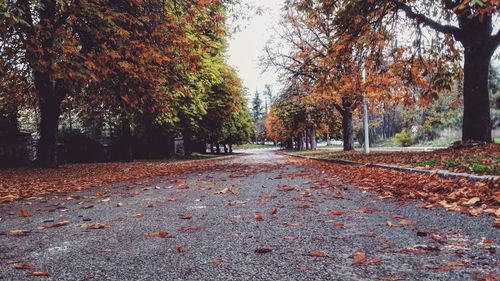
40 273
319 254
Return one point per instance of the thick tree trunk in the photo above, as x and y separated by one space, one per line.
49 123
347 130
314 144
477 118
127 141
230 148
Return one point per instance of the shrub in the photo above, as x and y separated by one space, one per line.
403 138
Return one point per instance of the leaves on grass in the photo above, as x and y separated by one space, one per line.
181 249
216 261
274 211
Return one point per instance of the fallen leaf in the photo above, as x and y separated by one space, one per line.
406 222
226 191
274 211
186 217
319 254
258 217
96 226
476 212
263 250
22 266
57 224
359 258
24 214
335 213
391 224
216 261
472 201
181 249
40 273
191 228
160 234
455 263
19 232
106 200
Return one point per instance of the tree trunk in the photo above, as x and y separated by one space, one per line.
212 149
49 123
127 141
477 118
314 144
230 148
217 148
347 130
225 148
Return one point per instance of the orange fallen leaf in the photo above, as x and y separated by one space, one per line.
359 257
319 254
391 224
335 213
406 222
57 224
19 232
181 249
476 212
160 234
455 263
40 273
96 226
24 214
226 191
216 261
22 266
274 211
258 217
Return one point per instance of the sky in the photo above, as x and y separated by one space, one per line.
246 47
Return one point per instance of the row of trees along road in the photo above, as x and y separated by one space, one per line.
337 53
157 67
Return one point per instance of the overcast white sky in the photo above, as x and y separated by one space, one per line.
247 46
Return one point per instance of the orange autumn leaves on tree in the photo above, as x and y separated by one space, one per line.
330 70
129 56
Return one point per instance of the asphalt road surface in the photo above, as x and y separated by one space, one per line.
257 216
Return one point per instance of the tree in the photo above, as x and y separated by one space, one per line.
468 22
331 71
257 112
112 51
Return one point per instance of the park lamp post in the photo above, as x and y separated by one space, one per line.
366 146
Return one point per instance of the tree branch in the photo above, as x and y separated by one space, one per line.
448 29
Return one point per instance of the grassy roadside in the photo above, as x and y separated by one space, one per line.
482 160
254 146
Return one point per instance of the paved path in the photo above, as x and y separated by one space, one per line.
279 213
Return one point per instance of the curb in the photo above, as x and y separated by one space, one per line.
441 173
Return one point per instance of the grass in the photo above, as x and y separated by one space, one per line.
254 146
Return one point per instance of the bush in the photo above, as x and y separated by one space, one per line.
403 138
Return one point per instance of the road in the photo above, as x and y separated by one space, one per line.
257 216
